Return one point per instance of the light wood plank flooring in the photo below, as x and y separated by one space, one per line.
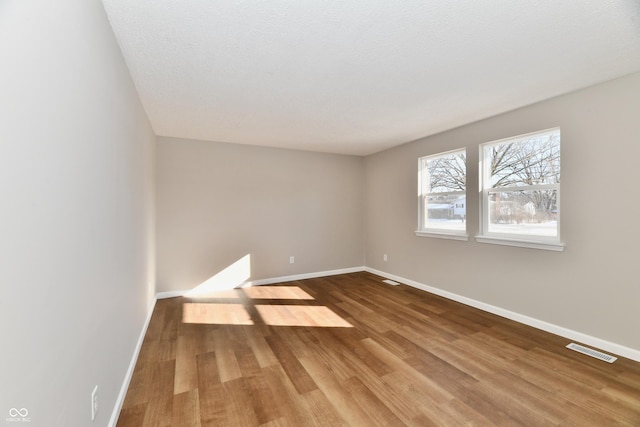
350 350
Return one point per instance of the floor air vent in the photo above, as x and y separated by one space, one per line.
592 353
391 282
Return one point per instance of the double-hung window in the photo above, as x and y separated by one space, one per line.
442 196
520 185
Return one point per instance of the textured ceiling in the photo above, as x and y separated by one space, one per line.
360 76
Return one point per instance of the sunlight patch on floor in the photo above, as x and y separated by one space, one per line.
276 292
301 315
215 314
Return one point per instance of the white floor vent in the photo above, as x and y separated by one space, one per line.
391 282
592 353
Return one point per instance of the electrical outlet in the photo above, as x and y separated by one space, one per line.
291 260
94 403
385 257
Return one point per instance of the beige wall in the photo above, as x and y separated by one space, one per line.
592 287
220 202
76 215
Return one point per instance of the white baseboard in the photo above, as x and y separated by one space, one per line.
281 279
617 349
127 378
170 294
305 276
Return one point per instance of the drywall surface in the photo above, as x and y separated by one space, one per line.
76 216
592 287
218 204
358 77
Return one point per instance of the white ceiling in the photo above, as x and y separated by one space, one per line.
360 76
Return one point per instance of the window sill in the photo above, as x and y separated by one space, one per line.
531 244
443 235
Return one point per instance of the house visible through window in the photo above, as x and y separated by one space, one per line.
520 182
442 181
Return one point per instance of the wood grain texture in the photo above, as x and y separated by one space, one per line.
350 350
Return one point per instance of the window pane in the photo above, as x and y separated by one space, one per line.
531 160
442 184
447 173
445 213
527 212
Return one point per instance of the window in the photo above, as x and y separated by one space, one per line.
520 184
442 182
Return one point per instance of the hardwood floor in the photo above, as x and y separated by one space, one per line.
350 350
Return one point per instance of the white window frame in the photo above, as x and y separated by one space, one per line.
552 243
423 195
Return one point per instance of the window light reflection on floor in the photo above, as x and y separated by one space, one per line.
215 314
273 315
276 292
301 315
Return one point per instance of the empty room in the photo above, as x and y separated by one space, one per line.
319 213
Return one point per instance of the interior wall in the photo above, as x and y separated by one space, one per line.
76 216
218 203
591 287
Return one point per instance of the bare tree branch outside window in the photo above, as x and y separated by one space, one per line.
443 205
531 163
448 173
